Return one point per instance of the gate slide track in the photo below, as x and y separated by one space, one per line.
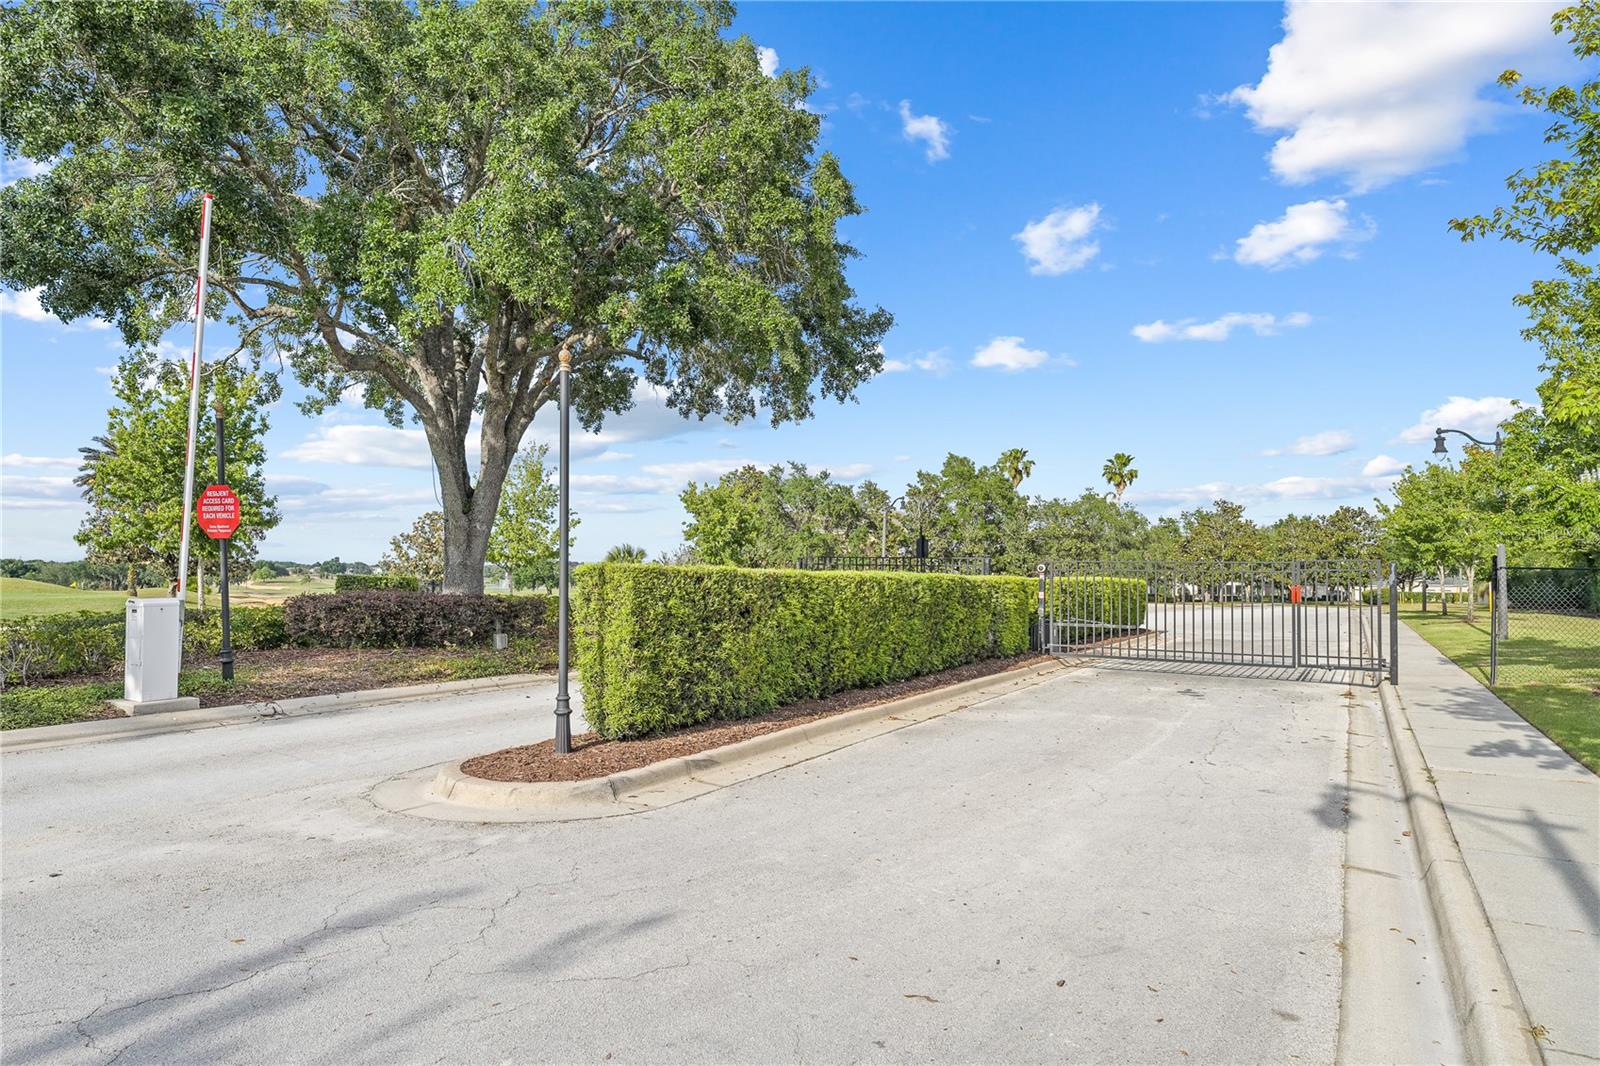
1296 620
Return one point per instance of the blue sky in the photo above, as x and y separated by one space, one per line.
1213 236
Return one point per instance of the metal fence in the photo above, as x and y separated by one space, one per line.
1314 616
974 564
1544 625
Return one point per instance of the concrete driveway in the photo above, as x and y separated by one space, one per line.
1110 866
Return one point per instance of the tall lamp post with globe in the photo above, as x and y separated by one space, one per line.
563 742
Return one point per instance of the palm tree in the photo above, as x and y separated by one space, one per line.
625 553
1119 473
1015 464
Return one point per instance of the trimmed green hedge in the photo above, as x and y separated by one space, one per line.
376 583
662 647
1106 605
91 642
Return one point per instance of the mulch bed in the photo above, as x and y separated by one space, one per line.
594 756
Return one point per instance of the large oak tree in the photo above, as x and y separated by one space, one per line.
439 202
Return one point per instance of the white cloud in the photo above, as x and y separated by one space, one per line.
936 362
1301 235
696 470
1328 442
931 130
850 471
26 305
611 455
40 461
17 168
1480 417
1296 487
648 419
1218 329
364 446
1377 91
621 484
1008 354
310 500
1382 466
38 493
768 57
1059 242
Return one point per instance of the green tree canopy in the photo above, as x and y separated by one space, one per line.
778 516
419 552
1555 208
1221 533
132 477
441 201
526 539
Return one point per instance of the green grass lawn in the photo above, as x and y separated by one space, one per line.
20 596
1549 669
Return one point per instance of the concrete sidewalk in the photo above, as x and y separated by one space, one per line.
1527 816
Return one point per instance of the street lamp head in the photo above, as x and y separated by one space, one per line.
1438 442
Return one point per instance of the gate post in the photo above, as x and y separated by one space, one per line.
1497 603
1044 641
1394 625
1294 611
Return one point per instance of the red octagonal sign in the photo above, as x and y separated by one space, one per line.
218 511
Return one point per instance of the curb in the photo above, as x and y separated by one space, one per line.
1494 1022
73 733
717 768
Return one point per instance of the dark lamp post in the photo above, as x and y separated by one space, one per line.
563 700
1440 449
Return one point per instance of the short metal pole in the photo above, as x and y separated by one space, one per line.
563 743
1394 626
1044 641
225 655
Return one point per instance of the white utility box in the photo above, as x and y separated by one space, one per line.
154 650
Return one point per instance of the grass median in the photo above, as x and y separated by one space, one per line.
1549 670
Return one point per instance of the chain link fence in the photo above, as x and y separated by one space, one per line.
1544 625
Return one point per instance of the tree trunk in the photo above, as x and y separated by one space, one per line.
469 510
466 541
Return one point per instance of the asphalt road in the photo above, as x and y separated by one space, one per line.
1111 866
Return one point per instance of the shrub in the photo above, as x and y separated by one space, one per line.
249 628
1097 606
392 619
55 645
664 647
92 642
376 583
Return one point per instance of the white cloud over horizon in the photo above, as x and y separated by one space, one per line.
1382 466
1061 242
1479 416
931 130
768 58
1293 488
1219 329
1008 354
935 362
1373 92
1328 442
1303 233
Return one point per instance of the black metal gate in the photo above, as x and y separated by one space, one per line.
1318 617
